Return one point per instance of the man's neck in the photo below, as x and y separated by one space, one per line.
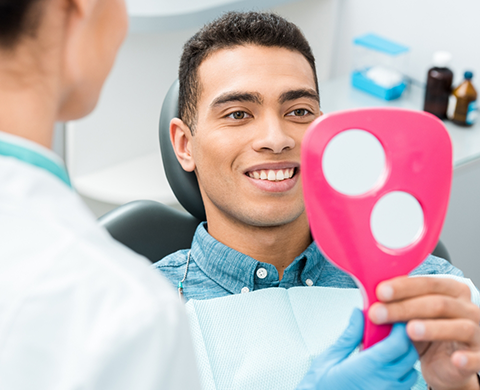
278 245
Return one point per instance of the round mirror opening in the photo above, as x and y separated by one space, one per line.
353 162
397 220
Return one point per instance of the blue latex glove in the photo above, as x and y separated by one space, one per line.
386 365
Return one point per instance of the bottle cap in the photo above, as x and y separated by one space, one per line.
468 75
441 59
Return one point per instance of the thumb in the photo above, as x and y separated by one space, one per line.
348 341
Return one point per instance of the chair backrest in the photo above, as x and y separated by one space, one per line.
184 184
150 228
441 251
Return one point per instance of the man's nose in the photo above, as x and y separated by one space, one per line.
272 136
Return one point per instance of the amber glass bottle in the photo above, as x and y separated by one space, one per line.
439 85
463 104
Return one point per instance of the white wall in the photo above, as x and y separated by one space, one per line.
461 231
423 25
318 21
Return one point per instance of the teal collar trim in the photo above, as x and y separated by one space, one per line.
34 158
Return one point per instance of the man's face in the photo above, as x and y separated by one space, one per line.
254 108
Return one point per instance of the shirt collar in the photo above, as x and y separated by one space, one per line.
234 270
34 154
312 261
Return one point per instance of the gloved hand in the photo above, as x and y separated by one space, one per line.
386 365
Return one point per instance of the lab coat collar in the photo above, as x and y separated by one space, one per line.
34 154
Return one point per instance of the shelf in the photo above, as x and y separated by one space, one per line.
338 95
165 15
140 178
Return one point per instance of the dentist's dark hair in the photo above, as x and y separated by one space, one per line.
230 30
18 18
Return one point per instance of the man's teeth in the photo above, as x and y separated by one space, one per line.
272 175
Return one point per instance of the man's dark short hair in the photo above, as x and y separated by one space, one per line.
234 29
18 18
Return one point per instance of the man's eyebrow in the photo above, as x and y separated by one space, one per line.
228 97
299 93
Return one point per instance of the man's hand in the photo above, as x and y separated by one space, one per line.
388 365
443 323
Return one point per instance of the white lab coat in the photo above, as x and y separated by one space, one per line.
77 309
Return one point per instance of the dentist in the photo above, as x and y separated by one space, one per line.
77 309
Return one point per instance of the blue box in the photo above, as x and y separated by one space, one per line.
365 84
379 66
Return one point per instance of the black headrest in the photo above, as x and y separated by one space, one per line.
184 184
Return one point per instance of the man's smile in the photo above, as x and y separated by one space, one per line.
272 174
274 177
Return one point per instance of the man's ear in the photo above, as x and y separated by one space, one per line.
181 138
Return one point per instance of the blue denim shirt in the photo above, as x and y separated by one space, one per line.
215 270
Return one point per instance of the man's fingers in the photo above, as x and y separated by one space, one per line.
467 362
424 307
458 330
405 287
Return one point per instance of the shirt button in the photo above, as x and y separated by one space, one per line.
309 282
245 290
262 273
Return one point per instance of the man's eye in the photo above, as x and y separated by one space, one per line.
299 112
238 115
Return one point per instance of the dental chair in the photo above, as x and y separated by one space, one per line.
155 230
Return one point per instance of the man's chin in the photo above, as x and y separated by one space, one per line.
271 221
257 214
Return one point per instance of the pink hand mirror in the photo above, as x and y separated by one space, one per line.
376 185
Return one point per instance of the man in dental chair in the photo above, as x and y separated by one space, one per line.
248 92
